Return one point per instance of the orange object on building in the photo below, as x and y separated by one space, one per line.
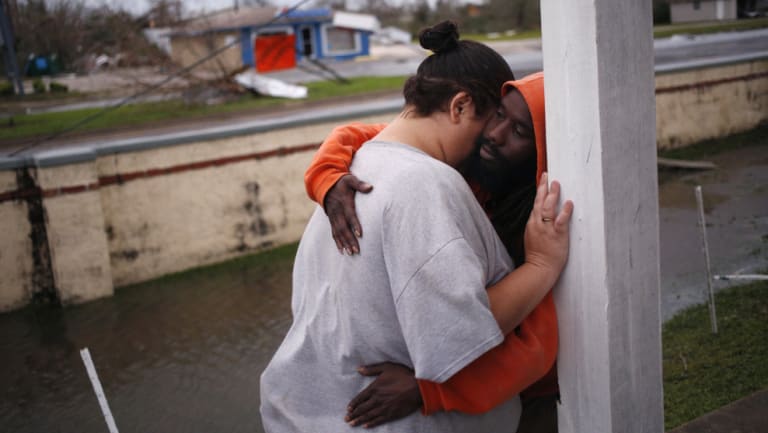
275 52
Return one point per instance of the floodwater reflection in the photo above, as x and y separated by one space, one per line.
181 354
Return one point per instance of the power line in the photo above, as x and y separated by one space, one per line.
153 87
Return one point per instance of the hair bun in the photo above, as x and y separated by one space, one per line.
440 38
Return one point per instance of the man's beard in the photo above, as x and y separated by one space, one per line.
498 176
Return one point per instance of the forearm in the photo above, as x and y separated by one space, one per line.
517 294
332 160
323 173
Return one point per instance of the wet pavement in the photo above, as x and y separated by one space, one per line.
746 415
184 353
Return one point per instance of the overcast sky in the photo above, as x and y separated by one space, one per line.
140 6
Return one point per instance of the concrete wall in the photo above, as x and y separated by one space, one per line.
708 10
16 262
208 202
76 223
700 104
114 217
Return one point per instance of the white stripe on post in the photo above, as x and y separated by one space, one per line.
599 81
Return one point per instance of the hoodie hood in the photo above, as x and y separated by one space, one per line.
532 89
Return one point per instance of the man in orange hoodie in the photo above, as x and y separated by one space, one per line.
504 172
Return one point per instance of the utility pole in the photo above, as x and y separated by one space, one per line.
8 42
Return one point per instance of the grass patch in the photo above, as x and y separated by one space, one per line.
484 37
44 124
702 371
356 86
753 137
709 27
48 96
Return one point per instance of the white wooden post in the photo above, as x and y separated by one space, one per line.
599 82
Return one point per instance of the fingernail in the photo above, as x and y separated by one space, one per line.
355 250
357 233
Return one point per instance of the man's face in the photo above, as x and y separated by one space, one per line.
506 152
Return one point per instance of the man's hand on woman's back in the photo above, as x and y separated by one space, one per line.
394 394
339 205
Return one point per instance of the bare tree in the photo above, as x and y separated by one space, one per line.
513 14
164 13
332 4
50 30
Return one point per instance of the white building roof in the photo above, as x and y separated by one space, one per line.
356 21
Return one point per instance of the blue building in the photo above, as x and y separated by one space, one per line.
269 38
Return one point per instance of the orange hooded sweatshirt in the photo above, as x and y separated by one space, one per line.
524 362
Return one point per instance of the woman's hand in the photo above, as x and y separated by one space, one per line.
393 395
339 205
546 233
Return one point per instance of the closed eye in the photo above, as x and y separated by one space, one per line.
521 130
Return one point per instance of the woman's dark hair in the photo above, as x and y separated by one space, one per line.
456 65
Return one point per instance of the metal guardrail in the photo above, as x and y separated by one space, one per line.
710 63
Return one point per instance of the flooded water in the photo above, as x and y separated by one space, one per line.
181 354
736 212
184 354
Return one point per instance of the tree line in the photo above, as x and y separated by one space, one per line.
73 35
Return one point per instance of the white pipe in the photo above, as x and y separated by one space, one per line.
86 355
705 247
